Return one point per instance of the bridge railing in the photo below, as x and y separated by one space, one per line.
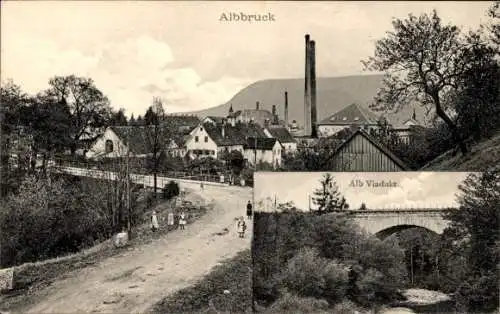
139 169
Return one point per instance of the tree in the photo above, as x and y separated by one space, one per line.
475 224
494 27
157 135
132 120
477 102
88 106
362 207
49 124
235 160
328 197
139 120
119 118
423 61
13 102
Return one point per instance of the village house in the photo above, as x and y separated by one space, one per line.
259 150
257 116
172 135
282 134
213 119
117 141
212 139
407 130
183 126
352 115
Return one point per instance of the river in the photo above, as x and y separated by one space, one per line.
422 301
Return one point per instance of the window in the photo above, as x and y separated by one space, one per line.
206 139
196 138
109 146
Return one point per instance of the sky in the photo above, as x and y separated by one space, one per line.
183 52
411 189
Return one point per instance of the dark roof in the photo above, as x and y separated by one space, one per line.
265 143
180 139
140 139
351 115
259 116
179 120
375 143
233 135
216 119
281 133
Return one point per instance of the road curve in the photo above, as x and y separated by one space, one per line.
135 280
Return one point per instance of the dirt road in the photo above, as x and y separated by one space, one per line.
134 281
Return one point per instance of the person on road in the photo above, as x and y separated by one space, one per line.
241 227
182 221
249 210
154 222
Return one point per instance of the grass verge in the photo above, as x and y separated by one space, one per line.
31 278
227 288
483 156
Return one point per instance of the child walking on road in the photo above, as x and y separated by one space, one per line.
182 220
154 222
241 227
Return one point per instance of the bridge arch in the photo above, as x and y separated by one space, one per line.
385 233
384 223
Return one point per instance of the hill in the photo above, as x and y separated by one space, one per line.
483 156
333 94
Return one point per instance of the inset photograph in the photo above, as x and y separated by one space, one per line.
413 242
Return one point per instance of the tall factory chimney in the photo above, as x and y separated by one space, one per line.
275 115
286 108
307 91
314 115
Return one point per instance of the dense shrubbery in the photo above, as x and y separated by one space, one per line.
326 257
474 236
310 275
47 218
50 217
171 190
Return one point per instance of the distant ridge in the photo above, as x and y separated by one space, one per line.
333 94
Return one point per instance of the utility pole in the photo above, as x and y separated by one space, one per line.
255 152
129 227
411 264
277 244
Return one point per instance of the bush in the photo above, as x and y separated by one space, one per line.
171 190
47 219
291 303
298 252
310 275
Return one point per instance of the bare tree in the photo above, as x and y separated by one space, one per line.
157 136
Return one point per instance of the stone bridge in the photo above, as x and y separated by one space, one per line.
384 223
